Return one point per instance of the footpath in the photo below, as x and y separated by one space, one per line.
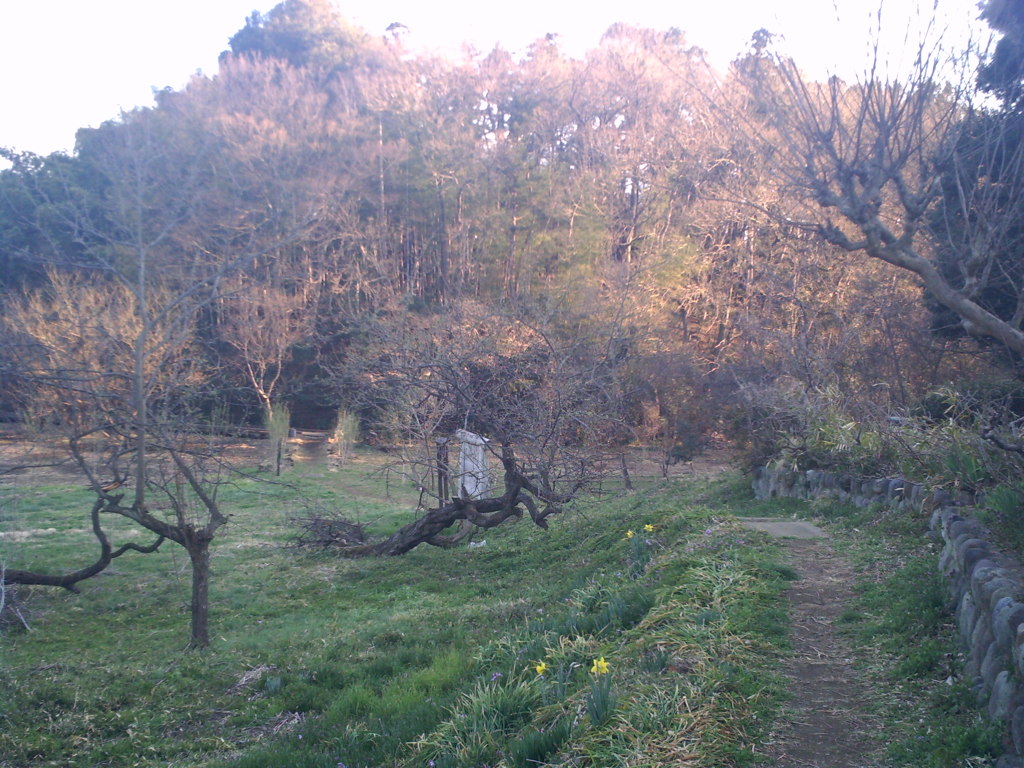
825 724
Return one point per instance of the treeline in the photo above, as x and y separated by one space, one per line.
285 228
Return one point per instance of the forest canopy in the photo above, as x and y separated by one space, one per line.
352 182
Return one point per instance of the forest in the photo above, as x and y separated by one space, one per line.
565 256
567 262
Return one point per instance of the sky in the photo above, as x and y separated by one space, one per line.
68 64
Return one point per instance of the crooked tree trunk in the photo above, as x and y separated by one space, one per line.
485 513
520 493
198 547
482 513
69 581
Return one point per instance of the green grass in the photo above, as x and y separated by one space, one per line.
1003 513
316 660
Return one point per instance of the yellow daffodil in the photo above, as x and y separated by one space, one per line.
541 668
600 667
629 534
648 528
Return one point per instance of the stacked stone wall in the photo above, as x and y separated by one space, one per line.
986 587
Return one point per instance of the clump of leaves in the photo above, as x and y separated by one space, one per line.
601 698
483 719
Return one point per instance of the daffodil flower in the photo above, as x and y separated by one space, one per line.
600 667
541 668
630 534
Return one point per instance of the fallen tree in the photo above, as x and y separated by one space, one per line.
546 406
520 494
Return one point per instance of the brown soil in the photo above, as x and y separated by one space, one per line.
825 725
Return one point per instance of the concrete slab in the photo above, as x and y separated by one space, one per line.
784 529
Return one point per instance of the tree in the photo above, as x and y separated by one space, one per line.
979 220
868 162
308 34
539 395
1003 72
179 200
263 324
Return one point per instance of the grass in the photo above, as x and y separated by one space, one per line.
1003 513
320 661
432 658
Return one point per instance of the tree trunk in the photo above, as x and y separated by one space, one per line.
199 554
410 536
626 479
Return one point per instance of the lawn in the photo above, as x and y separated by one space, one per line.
465 657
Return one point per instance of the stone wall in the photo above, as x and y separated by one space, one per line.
986 588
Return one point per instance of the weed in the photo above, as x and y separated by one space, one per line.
535 746
601 699
639 555
1003 511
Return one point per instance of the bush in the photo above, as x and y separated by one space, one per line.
345 436
951 438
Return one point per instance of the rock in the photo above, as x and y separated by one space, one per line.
1017 729
916 495
992 666
1003 692
1007 615
966 614
1018 652
998 587
978 647
979 571
960 526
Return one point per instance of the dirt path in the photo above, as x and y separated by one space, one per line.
825 725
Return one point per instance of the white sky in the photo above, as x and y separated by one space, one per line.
66 64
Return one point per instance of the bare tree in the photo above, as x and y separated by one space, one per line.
539 397
881 165
263 323
179 200
119 386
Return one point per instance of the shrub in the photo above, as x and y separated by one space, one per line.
345 436
277 420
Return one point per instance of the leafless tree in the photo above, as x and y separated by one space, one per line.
878 165
542 403
180 202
